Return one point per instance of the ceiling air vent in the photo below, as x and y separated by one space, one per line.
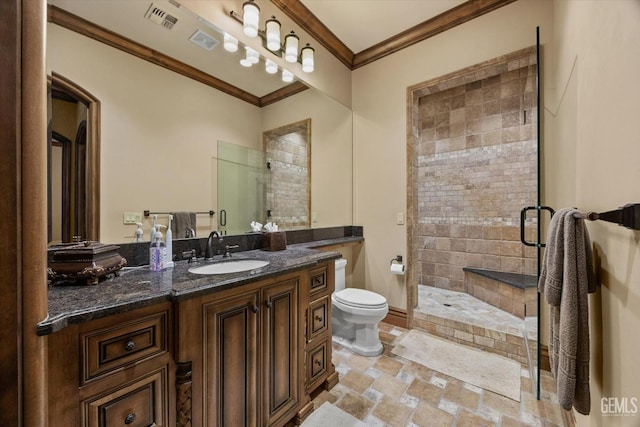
160 17
203 40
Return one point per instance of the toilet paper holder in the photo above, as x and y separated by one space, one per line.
396 265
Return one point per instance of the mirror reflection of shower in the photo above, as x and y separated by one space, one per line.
270 185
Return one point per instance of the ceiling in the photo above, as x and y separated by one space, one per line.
377 20
383 27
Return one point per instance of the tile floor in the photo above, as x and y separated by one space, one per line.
468 309
388 390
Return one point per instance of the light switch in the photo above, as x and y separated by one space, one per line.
132 217
400 218
314 217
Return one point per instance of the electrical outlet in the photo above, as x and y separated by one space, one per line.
314 217
132 217
400 218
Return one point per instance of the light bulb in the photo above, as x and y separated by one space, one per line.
273 34
307 58
270 66
291 47
287 76
230 43
250 18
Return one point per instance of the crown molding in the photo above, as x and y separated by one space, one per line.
460 14
79 25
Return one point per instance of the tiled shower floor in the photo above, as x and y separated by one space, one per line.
468 309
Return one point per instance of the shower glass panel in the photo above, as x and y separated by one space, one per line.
473 167
241 182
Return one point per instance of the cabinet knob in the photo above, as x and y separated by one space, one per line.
318 362
129 346
268 304
318 318
130 418
254 308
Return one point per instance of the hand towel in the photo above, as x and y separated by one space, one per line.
566 278
183 221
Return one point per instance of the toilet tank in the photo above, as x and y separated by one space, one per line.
341 264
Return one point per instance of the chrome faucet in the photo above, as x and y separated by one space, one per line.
208 250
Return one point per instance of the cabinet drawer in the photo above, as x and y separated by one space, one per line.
318 280
318 319
109 349
316 365
140 403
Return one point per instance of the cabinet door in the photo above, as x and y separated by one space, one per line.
280 343
231 361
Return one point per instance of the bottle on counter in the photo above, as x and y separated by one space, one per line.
157 253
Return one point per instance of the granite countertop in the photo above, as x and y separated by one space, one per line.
139 287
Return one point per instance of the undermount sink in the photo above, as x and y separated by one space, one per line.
226 267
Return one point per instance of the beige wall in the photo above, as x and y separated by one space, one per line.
592 163
160 132
331 152
379 105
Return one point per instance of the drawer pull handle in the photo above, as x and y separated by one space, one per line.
319 318
129 346
130 418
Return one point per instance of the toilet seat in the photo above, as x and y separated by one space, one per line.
360 298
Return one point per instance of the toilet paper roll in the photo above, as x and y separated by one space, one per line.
397 268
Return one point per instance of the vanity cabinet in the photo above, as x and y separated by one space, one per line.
252 360
319 369
248 355
115 371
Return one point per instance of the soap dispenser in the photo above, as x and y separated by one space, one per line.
157 253
169 244
138 233
153 228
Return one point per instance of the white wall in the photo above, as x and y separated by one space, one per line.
592 163
380 124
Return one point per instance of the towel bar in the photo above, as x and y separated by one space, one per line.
628 216
147 213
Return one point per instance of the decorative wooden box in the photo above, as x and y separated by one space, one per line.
84 263
275 241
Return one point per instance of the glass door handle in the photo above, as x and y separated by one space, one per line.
523 217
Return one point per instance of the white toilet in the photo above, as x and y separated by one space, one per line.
356 313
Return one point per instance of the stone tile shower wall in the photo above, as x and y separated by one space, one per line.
476 169
288 193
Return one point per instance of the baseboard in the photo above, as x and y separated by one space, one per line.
397 317
545 363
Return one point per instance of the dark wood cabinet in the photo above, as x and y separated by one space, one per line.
249 355
115 371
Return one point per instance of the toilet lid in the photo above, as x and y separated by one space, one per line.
360 298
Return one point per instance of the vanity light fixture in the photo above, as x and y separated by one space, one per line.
251 57
307 58
271 36
291 47
250 18
287 76
270 66
272 29
230 43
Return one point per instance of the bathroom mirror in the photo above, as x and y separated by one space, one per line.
159 129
